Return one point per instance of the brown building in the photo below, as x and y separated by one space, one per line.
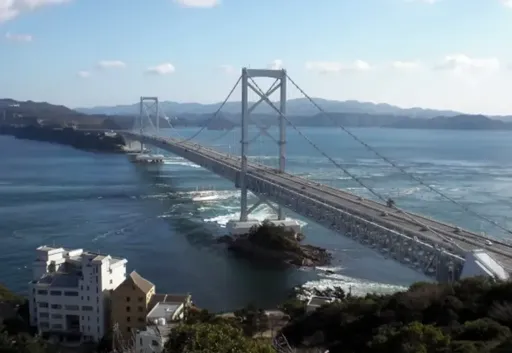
131 304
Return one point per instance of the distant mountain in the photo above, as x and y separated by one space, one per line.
14 112
296 107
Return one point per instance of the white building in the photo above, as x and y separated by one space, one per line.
160 321
68 294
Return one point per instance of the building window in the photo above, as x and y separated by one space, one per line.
44 315
141 299
57 326
56 316
55 292
141 319
43 305
154 343
111 282
71 294
88 298
87 287
44 324
127 299
87 308
56 306
129 329
128 309
42 292
72 307
128 319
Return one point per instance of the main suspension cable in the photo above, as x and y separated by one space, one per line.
397 166
208 121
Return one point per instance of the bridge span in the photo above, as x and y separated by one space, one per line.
435 248
431 247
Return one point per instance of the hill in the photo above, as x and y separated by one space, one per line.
299 107
37 113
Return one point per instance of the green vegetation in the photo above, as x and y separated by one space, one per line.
221 337
276 243
274 237
474 315
470 316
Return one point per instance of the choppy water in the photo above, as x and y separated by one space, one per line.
164 219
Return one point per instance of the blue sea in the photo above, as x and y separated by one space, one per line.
164 219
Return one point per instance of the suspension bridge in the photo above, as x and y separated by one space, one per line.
432 247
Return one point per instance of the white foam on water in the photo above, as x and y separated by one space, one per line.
357 287
212 195
180 161
261 213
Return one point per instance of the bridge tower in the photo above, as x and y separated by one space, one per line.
148 110
247 78
148 107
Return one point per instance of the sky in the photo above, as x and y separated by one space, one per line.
442 54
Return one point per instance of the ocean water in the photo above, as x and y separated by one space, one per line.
165 219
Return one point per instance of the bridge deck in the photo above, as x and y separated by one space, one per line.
411 224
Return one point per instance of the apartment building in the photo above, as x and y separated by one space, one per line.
130 304
69 292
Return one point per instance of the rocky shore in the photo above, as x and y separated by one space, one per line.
272 243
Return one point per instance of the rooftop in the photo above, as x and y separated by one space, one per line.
319 301
60 280
141 282
79 254
168 298
163 310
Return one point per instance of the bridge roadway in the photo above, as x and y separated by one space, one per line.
447 236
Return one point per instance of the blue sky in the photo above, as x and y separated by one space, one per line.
454 54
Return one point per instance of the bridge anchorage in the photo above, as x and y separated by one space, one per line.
440 250
149 110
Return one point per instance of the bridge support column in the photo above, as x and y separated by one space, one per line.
247 76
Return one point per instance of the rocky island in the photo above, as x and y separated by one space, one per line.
274 243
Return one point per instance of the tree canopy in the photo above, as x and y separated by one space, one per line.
470 316
220 337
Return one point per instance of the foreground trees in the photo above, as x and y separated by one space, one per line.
474 315
220 337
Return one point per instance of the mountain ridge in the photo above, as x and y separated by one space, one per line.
296 107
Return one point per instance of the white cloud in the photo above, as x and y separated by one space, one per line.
162 69
83 74
507 3
111 64
276 65
406 65
334 66
10 9
18 37
460 63
229 69
198 3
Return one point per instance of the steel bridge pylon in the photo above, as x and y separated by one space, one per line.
247 109
148 107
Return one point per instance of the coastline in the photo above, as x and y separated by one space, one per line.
68 136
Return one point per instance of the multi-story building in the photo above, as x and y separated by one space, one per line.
69 292
130 304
